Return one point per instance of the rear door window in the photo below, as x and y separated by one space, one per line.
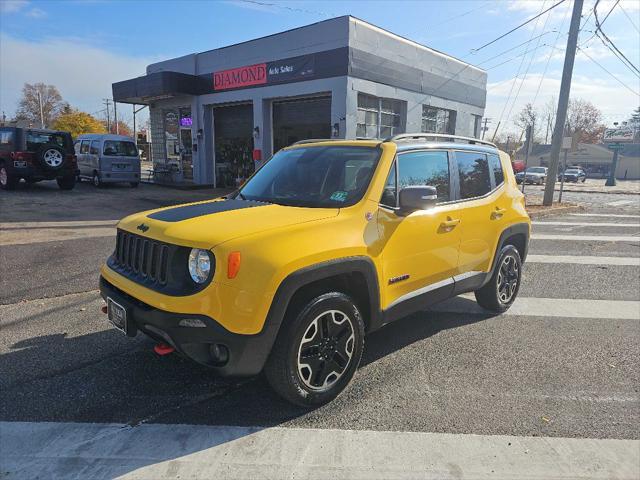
473 170
117 148
95 147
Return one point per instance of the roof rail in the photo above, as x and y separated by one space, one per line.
438 136
312 140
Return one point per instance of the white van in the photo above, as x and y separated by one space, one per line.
105 158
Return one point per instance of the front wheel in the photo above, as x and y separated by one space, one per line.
502 289
317 351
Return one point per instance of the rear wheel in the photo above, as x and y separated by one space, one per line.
7 181
66 183
317 351
502 289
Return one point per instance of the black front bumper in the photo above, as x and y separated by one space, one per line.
245 354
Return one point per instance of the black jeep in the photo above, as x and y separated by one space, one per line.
36 154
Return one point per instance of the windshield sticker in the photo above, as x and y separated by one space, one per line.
339 196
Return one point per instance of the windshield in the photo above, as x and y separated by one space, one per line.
117 148
535 170
314 177
572 171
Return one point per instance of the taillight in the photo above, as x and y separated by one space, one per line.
21 155
72 158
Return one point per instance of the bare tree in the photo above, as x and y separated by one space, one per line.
548 118
528 116
40 104
584 120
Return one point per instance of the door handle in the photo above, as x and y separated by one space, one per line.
449 224
498 213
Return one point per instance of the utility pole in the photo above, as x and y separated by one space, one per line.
528 142
41 110
115 117
486 121
107 102
563 102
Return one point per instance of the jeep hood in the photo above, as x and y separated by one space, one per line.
210 223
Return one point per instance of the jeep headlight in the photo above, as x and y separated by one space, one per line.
199 265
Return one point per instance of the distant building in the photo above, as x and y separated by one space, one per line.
596 160
216 114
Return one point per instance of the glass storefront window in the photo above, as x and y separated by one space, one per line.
438 120
378 117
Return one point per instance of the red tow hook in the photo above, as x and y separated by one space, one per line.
163 349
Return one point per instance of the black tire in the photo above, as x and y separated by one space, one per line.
134 184
501 290
7 181
51 156
330 368
66 183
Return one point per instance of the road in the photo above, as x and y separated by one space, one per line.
554 380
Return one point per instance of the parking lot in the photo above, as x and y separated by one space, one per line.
562 364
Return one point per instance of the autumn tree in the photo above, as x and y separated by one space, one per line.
33 97
584 120
528 116
77 123
123 128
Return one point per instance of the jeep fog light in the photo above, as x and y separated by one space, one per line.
192 322
199 265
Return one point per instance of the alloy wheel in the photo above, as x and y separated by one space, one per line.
325 350
53 158
508 278
4 177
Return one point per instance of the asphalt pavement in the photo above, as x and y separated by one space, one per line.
561 366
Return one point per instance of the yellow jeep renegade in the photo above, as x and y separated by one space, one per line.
329 240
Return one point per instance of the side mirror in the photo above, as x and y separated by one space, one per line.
417 198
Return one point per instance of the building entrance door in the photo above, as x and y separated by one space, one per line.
300 119
233 144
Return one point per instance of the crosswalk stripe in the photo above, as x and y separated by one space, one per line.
588 224
586 238
150 451
609 215
549 307
620 203
583 260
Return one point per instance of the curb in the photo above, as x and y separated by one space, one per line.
555 211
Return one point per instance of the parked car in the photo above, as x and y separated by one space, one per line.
329 240
573 175
106 158
34 155
537 175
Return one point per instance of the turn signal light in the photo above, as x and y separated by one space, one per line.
233 265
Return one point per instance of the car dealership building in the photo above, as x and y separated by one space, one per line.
215 115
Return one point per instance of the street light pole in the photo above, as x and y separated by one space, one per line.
41 110
563 102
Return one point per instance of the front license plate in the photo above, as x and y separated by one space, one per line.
117 315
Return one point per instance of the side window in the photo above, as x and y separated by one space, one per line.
95 147
76 147
425 168
6 138
496 167
473 169
389 195
84 148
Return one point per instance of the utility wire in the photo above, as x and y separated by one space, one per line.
594 11
474 50
611 74
630 67
629 18
599 29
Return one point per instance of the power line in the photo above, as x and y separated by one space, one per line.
594 11
630 67
599 29
611 74
517 28
629 18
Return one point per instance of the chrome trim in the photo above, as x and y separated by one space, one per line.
420 291
464 276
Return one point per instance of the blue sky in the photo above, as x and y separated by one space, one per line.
84 46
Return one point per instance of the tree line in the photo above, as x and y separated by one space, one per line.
42 105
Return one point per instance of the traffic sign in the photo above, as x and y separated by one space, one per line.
615 146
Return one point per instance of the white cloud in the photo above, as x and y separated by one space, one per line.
605 93
11 6
36 13
83 73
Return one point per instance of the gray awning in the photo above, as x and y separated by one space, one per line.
159 85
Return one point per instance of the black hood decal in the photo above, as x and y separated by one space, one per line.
186 212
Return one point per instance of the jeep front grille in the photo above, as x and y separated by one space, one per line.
142 257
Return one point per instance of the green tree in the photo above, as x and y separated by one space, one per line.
77 123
